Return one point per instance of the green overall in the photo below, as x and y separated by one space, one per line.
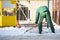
41 13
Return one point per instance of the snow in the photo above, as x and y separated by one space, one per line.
22 31
45 31
11 33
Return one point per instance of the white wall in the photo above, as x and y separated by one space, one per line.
35 4
33 7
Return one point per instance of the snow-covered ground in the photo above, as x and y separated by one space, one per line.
10 33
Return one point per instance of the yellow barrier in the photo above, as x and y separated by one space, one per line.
13 1
8 21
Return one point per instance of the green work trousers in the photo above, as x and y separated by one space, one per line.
41 13
48 18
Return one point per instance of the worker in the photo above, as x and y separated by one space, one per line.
41 13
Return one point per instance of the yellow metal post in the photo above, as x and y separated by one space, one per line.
0 12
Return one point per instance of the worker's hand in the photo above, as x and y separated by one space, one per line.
36 23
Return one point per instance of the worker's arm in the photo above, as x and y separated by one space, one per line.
49 13
37 17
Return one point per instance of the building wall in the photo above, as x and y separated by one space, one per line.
56 11
33 5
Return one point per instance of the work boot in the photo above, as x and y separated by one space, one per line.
40 32
53 31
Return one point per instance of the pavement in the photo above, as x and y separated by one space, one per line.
29 33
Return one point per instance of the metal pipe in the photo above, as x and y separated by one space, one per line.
48 3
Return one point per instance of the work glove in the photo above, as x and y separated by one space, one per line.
36 23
